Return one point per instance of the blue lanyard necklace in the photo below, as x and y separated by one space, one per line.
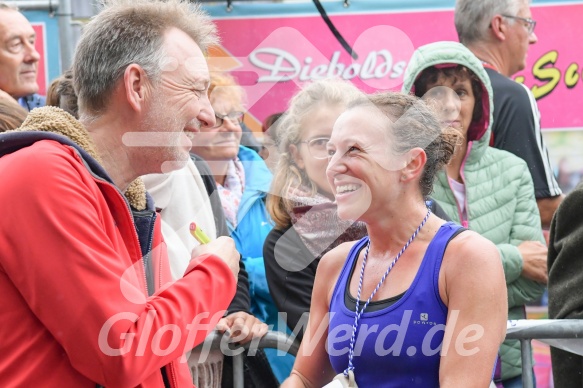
358 313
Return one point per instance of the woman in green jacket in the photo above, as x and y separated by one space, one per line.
485 189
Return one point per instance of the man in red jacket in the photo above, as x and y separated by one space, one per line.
86 293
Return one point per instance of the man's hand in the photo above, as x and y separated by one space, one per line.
243 327
534 259
223 247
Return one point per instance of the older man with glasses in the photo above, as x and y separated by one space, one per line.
528 23
499 33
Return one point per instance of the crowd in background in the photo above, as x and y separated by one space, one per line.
429 207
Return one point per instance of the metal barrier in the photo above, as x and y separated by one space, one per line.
523 330
273 339
526 330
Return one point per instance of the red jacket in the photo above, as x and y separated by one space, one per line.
73 283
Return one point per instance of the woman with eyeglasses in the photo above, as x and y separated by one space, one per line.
243 181
301 202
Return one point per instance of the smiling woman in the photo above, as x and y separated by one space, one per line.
410 284
301 200
219 144
243 181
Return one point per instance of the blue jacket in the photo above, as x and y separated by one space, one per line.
253 226
253 221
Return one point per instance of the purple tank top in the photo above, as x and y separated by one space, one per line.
399 345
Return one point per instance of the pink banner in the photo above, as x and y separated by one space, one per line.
273 56
40 44
554 69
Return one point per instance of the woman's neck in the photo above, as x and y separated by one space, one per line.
390 232
219 169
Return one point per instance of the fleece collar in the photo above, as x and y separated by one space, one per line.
54 120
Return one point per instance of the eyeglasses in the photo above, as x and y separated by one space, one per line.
234 117
530 24
317 147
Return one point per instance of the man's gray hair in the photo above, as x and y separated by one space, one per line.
131 32
473 17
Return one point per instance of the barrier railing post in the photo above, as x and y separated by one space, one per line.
273 339
238 375
527 376
541 329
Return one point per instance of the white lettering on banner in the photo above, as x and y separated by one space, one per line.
278 71
284 66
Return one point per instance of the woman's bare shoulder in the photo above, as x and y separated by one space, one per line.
469 249
337 255
332 262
